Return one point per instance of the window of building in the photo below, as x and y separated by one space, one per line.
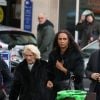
16 13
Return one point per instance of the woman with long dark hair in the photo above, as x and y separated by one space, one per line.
65 59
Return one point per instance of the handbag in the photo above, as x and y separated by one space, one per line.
65 84
62 85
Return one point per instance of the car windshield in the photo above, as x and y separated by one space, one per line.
17 38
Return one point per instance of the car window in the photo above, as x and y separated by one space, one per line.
18 38
86 51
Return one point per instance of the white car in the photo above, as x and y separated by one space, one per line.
12 42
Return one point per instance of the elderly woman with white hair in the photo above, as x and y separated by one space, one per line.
30 77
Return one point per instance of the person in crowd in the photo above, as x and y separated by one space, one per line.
5 79
93 72
45 35
93 28
65 59
89 28
81 27
30 77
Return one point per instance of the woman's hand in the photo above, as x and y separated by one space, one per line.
95 76
49 84
59 65
91 40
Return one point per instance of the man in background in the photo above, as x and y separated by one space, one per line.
45 36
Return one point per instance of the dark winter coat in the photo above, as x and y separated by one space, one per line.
88 30
29 85
72 61
5 79
92 30
80 28
45 37
93 66
5 76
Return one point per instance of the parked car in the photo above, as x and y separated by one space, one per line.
86 52
12 42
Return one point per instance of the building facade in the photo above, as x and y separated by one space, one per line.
61 12
49 7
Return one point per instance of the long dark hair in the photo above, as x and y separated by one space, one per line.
72 44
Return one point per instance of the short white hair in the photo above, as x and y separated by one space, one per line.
42 14
34 49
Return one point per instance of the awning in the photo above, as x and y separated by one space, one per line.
3 3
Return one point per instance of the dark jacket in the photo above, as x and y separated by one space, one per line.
92 67
5 76
93 29
29 85
88 30
80 28
72 61
45 37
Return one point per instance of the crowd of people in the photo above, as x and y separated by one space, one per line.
47 67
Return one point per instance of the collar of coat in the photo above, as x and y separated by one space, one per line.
46 23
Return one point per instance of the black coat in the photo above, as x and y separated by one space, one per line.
80 27
73 61
29 85
92 66
5 76
87 30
